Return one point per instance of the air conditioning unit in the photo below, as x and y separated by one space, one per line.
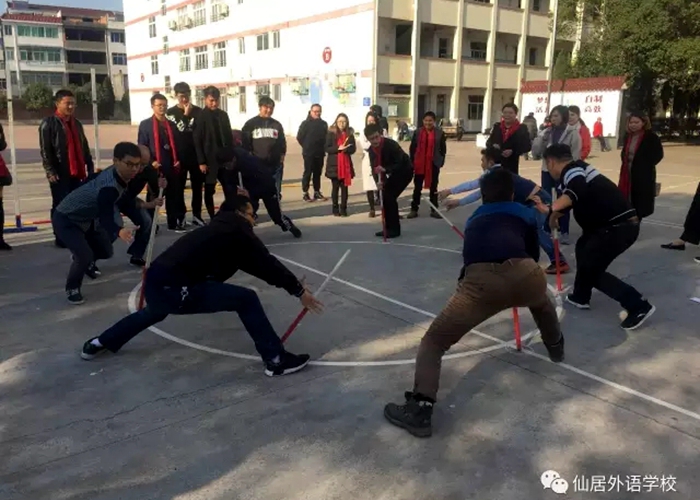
224 11
233 92
172 25
188 22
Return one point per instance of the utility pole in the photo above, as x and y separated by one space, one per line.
553 42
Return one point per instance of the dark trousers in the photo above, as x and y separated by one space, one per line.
59 190
603 143
266 190
548 183
210 191
418 181
313 167
691 227
196 184
204 298
144 220
175 196
338 187
371 199
394 185
594 254
2 220
86 247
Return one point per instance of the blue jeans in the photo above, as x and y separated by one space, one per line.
203 298
548 183
542 225
141 218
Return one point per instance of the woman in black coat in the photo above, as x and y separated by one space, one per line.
340 146
691 228
641 152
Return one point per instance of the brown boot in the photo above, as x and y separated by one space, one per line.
412 214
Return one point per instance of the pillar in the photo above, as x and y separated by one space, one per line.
522 52
415 58
457 85
491 59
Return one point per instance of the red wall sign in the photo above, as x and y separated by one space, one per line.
327 55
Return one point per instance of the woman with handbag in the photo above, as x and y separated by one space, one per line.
5 180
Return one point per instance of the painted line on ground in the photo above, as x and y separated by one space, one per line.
499 343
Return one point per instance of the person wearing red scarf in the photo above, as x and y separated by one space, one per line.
427 152
641 153
340 146
511 137
156 133
65 152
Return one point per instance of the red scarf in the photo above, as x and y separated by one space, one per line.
171 141
76 160
625 184
423 160
344 163
507 132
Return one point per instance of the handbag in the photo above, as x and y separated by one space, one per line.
5 175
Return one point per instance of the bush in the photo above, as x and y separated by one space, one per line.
105 99
37 96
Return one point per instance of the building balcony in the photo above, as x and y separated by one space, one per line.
539 25
85 68
396 9
510 21
477 16
535 73
506 76
85 45
475 74
394 69
439 12
434 72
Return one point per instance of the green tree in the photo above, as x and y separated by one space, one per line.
37 96
105 99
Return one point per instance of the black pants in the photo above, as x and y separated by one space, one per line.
266 191
603 143
210 191
196 184
2 220
175 196
691 233
418 181
394 185
59 190
338 187
313 167
371 199
594 254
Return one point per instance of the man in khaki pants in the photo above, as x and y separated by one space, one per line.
501 251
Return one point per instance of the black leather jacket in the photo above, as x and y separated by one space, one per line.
53 147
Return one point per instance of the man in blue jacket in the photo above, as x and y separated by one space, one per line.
500 271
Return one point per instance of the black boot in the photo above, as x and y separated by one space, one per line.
414 416
556 351
336 211
3 244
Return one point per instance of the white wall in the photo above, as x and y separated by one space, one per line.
605 104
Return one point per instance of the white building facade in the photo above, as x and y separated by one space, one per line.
462 59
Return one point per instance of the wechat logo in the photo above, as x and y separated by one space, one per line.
552 480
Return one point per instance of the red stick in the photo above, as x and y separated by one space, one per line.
294 324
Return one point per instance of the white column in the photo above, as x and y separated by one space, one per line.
522 52
491 59
457 86
415 57
15 40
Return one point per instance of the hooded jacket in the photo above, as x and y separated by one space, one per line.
216 252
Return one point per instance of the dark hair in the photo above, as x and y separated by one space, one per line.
642 116
492 153
237 204
496 186
314 105
575 109
158 97
511 106
559 152
373 128
429 114
212 91
182 88
61 94
377 109
563 111
266 100
372 114
124 149
334 127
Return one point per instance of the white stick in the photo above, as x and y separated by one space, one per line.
332 273
152 238
95 123
240 180
13 151
438 211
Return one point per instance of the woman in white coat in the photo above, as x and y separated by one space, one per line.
368 183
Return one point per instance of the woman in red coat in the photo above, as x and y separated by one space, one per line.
585 134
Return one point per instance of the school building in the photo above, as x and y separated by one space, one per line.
460 58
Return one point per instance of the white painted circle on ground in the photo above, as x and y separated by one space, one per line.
133 296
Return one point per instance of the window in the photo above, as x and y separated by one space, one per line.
40 55
118 59
185 60
166 47
263 41
154 65
199 13
8 29
536 5
181 17
532 57
240 2
166 83
475 109
478 51
163 7
201 57
241 45
117 36
52 79
152 27
219 10
275 39
277 92
443 48
261 90
37 31
219 55
242 108
223 102
9 54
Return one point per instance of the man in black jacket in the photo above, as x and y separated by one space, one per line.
392 171
511 137
65 153
189 278
212 138
312 137
185 116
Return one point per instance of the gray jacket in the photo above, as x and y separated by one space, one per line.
571 137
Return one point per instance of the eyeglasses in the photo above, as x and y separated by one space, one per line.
133 164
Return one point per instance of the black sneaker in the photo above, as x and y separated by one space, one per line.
576 302
4 245
697 259
59 243
288 225
289 363
135 261
556 351
75 297
372 214
318 196
93 272
90 351
414 416
176 229
637 319
389 234
306 197
198 221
